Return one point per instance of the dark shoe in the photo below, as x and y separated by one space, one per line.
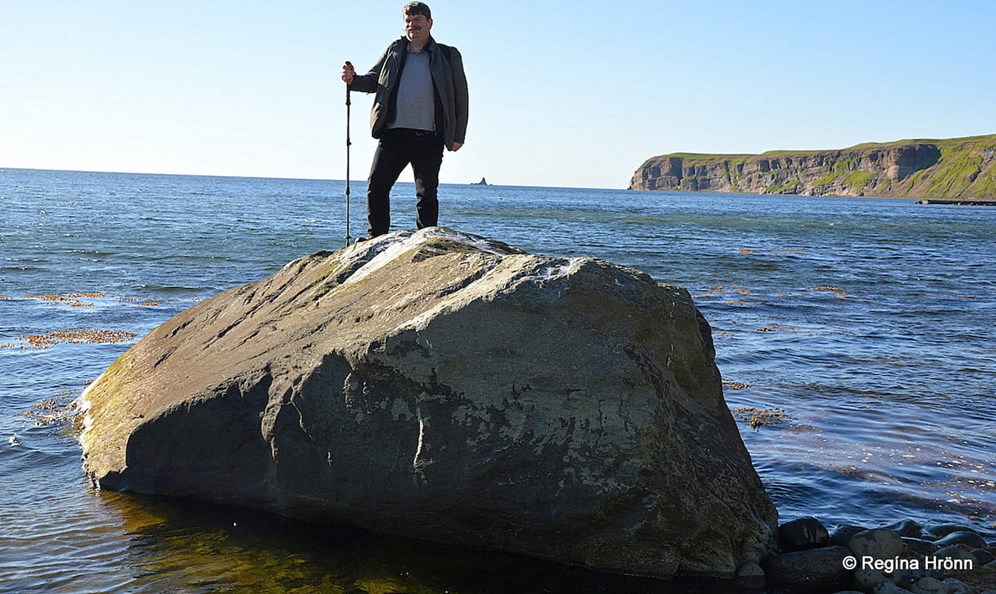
368 237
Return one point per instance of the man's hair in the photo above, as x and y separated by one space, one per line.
414 8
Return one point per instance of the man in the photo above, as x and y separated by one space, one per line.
420 106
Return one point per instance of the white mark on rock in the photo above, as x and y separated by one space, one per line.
421 436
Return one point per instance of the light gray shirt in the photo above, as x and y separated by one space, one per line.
416 106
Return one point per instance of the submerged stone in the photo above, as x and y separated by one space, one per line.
442 386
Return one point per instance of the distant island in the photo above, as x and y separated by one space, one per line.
483 182
961 169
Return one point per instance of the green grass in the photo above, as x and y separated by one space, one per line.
944 143
984 186
858 180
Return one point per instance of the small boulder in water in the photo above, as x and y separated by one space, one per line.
802 533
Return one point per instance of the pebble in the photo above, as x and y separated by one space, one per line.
983 556
801 534
942 530
810 570
957 551
890 588
751 576
956 587
879 544
929 585
867 580
842 535
907 528
965 537
919 546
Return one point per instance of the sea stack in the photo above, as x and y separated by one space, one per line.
447 387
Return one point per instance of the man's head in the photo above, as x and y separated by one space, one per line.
418 23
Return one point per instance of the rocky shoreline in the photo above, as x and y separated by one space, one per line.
900 558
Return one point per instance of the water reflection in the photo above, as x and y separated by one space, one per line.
196 547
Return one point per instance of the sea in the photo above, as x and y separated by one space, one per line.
855 337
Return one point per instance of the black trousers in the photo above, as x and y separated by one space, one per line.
397 148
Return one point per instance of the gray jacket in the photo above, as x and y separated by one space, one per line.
448 78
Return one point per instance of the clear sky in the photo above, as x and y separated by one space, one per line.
562 93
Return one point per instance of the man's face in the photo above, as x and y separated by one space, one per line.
417 28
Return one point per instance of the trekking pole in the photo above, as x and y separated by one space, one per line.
348 143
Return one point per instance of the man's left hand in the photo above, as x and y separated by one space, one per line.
455 146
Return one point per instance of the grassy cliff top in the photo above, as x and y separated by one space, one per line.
942 143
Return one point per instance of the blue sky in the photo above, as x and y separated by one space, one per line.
562 93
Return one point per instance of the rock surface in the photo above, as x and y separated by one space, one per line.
441 386
812 570
957 168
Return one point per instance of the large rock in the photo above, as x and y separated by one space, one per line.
442 386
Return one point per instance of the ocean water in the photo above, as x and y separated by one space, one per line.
861 329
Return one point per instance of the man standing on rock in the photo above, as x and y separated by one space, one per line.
420 106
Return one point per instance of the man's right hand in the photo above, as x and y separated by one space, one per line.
348 73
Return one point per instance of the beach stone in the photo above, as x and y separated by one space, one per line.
750 575
810 570
941 530
802 533
867 580
879 543
931 585
919 547
956 586
965 537
983 556
843 533
907 528
450 388
928 585
889 588
955 551
959 553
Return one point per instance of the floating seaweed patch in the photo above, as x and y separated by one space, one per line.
4 298
80 336
745 251
149 303
836 291
70 300
756 417
61 410
735 385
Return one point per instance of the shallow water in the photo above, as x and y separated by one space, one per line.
869 323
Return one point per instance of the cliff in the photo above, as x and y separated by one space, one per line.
956 168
